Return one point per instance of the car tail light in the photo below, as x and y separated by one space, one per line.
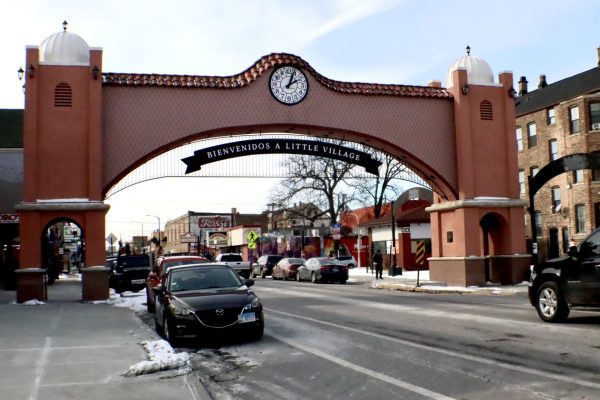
344 268
324 268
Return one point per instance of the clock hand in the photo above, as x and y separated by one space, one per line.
291 80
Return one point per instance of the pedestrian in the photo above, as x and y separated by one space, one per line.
378 261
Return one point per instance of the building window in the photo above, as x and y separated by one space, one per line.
538 224
550 116
62 95
595 116
574 119
555 199
531 135
578 176
533 171
521 181
597 215
553 149
519 139
485 111
580 218
565 240
596 172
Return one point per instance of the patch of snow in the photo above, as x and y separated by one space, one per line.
162 357
33 302
134 301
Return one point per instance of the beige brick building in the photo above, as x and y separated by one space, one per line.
553 121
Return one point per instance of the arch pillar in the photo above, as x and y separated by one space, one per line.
486 156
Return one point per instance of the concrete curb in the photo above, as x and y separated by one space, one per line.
427 288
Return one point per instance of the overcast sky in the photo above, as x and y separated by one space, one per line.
384 41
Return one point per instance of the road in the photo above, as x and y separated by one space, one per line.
330 341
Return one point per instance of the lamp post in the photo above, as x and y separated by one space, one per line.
158 233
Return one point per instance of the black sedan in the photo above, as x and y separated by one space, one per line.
206 301
323 269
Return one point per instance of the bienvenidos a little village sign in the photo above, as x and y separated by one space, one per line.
279 146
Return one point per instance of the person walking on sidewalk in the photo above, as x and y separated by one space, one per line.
378 261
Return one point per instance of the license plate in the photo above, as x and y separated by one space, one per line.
335 269
247 317
137 281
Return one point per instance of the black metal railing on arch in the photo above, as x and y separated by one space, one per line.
170 164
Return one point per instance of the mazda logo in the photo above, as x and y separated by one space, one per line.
219 312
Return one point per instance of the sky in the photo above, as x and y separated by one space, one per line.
379 41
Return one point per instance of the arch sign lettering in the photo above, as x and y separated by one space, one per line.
280 146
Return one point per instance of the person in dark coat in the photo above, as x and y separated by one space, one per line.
378 261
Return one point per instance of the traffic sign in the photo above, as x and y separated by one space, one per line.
251 236
111 238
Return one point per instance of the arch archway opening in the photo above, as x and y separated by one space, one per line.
62 244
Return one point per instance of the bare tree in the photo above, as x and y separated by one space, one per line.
372 191
316 180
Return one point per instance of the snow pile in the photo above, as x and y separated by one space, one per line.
134 301
33 302
161 358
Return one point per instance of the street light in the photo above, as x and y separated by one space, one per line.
143 241
158 233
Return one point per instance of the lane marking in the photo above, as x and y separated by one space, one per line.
43 361
481 360
373 374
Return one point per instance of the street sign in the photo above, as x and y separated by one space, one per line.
252 239
189 238
111 238
420 257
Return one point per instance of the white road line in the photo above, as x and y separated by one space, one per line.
40 368
373 374
481 360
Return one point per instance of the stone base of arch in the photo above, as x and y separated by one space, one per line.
34 216
470 271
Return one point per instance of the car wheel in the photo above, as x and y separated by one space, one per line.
342 282
283 277
253 274
168 330
149 304
263 273
313 278
551 304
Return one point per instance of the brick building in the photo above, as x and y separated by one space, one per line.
553 121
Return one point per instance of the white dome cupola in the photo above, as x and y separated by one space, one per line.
479 71
64 48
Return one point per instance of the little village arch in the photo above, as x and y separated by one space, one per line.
85 129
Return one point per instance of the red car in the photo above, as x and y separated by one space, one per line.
287 268
161 265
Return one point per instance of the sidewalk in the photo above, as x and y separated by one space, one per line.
408 282
67 349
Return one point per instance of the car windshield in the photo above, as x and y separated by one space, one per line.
203 278
174 263
342 258
296 260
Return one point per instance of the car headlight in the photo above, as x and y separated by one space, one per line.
179 310
253 304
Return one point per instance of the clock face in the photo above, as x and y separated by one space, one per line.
288 85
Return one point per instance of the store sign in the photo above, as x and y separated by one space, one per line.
209 223
9 219
218 239
280 146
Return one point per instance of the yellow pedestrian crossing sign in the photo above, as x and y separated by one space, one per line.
252 239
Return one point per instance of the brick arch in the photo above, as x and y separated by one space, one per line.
436 180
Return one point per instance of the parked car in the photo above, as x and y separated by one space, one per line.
129 272
163 264
287 268
235 261
560 284
264 266
348 261
323 269
196 301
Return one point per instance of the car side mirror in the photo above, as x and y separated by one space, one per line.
249 282
572 252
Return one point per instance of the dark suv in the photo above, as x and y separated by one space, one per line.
573 280
264 265
129 272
